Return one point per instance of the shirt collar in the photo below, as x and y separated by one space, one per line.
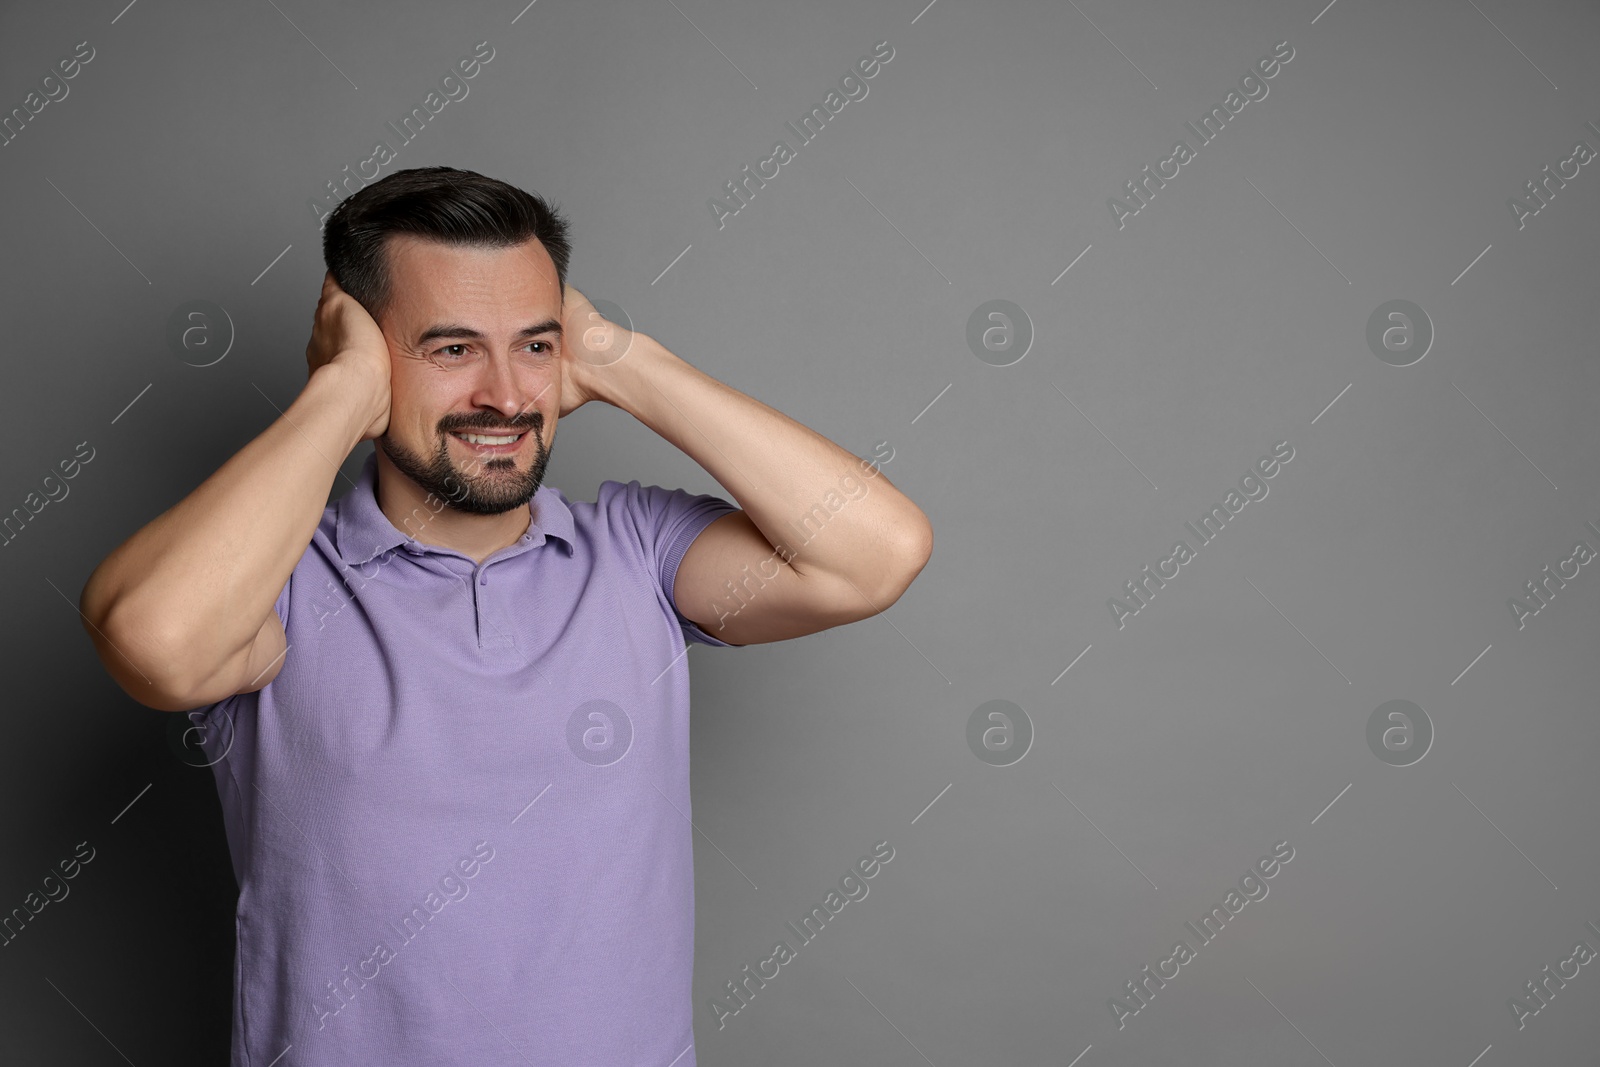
363 531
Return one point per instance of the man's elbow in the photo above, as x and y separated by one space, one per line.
903 566
916 549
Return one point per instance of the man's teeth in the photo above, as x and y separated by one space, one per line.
481 439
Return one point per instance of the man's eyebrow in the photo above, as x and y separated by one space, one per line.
451 329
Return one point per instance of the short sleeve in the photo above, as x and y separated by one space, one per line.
668 521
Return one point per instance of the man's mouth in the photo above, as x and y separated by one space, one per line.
491 442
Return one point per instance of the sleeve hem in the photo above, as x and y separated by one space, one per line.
677 548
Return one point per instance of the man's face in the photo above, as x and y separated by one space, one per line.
492 316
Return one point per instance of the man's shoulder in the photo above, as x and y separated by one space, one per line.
611 498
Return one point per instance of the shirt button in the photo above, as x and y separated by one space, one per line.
483 580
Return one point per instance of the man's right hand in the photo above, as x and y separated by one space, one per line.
344 334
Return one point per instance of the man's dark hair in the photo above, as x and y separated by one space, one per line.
458 207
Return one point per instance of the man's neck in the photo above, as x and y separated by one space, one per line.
431 522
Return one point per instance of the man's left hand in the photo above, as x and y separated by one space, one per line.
590 345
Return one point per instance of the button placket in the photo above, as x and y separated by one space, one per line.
494 630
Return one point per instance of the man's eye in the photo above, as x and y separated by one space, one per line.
548 348
447 348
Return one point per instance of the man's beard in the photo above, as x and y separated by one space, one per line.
488 485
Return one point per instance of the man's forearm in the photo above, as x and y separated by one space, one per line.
777 469
192 587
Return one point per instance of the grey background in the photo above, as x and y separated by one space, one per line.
1227 316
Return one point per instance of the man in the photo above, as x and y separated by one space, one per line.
449 713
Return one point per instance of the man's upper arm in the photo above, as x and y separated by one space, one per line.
769 600
727 584
668 522
261 662
266 655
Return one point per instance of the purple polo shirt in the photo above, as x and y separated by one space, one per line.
459 815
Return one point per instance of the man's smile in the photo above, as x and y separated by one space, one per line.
490 443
